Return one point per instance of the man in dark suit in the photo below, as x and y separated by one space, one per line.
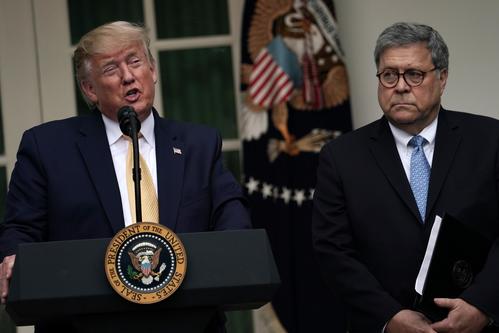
69 181
372 217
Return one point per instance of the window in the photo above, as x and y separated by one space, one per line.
193 47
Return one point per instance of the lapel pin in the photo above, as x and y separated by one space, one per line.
177 151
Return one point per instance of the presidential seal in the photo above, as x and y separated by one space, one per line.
462 274
145 262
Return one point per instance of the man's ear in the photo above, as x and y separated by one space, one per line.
444 73
152 68
88 90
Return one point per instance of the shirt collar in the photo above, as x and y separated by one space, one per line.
429 132
114 133
147 130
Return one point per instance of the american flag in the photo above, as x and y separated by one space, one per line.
275 72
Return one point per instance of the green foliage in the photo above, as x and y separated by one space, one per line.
6 324
239 322
132 273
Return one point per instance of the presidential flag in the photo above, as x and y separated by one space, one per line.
295 98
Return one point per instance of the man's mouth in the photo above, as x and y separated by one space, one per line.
132 95
402 104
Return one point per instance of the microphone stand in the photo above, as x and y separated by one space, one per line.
136 169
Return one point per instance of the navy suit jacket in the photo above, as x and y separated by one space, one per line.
367 231
64 185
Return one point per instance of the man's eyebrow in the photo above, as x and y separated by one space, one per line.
108 62
132 54
113 60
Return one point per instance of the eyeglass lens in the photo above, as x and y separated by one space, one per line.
412 77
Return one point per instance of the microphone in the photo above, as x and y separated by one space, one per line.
130 126
127 117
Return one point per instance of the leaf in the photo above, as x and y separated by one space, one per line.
132 274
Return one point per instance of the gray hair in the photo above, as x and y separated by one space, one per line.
106 38
402 33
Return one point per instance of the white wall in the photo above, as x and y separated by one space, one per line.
470 29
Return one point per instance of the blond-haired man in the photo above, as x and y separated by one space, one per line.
69 180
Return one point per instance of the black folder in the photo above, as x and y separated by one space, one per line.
458 255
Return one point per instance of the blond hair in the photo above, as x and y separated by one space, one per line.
107 38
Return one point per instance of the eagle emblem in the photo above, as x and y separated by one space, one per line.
297 61
145 260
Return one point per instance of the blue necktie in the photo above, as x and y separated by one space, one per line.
420 173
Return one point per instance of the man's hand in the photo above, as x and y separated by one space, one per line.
463 317
5 274
408 321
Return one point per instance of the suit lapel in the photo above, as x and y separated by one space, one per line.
170 159
446 144
95 151
385 153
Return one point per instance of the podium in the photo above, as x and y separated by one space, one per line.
65 280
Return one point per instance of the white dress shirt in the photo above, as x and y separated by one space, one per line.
405 151
119 148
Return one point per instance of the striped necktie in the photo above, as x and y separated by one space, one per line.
149 199
420 173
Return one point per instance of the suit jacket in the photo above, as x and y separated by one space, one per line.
64 186
367 231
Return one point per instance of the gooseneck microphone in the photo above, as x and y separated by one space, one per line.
130 126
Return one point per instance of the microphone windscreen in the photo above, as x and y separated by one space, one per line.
127 116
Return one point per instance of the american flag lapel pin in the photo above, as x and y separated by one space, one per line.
177 151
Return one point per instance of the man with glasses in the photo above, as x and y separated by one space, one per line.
380 187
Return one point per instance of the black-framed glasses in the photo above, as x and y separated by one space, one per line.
413 77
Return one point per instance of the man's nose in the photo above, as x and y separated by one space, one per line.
127 75
401 85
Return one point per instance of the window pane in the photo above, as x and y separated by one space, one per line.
89 14
175 19
197 86
231 162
